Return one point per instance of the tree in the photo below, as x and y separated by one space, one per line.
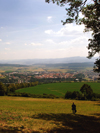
91 20
86 89
97 66
3 89
12 87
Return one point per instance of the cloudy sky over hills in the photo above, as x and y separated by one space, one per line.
32 29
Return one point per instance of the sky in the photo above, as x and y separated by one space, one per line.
32 29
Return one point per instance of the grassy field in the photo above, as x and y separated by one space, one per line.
59 89
30 115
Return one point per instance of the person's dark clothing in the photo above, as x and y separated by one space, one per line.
74 108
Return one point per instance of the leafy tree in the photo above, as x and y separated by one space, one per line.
11 87
3 89
97 67
68 94
86 90
91 20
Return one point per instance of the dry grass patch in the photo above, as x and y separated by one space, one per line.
48 115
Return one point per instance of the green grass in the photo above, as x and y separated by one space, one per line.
59 89
33 115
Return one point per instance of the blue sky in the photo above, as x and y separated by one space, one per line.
32 29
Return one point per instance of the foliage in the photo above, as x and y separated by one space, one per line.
91 20
73 8
3 89
73 95
97 66
87 94
86 89
11 88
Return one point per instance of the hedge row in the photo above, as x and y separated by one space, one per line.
79 96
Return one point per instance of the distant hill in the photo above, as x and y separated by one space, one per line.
48 61
63 67
12 65
71 65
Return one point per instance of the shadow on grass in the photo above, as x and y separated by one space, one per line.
98 103
71 123
96 114
14 130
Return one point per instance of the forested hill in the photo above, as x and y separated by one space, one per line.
73 66
60 65
12 65
69 65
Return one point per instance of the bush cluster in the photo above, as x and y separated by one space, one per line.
86 94
79 96
32 95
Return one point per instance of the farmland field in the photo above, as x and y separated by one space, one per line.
59 89
33 115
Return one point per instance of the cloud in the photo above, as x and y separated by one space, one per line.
8 43
49 18
68 29
49 32
0 40
7 49
36 44
50 41
76 42
33 44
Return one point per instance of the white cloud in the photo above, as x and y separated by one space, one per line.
33 44
8 43
49 32
0 40
76 42
7 49
50 41
64 43
36 44
67 30
79 41
49 18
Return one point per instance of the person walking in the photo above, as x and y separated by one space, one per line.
73 108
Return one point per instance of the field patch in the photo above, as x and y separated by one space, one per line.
29 115
59 89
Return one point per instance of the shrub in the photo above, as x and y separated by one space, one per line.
68 95
3 89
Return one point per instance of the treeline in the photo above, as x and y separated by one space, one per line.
86 93
32 95
5 89
54 80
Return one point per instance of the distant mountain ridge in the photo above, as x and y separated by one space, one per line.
76 59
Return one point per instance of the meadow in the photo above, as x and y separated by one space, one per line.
33 115
59 89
